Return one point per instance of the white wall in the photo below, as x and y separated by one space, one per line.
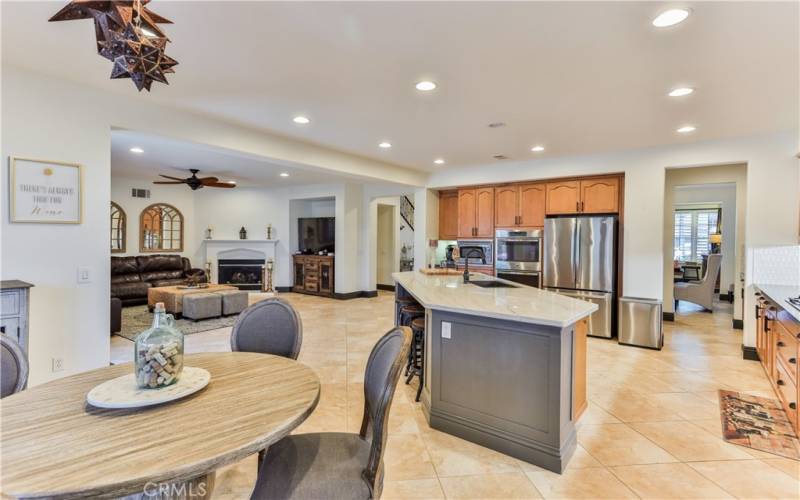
772 197
179 196
69 321
724 196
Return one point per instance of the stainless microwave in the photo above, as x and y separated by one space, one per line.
483 246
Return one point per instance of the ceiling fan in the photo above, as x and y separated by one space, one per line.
195 182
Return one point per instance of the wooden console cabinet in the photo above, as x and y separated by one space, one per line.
778 348
314 274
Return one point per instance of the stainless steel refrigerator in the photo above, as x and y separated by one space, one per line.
580 261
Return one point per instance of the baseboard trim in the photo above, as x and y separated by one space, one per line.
738 324
668 316
355 295
283 289
388 288
750 353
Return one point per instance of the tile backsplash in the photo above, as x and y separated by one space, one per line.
775 265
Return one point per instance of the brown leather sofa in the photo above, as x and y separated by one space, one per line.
131 277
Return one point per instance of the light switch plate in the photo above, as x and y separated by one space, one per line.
446 333
84 275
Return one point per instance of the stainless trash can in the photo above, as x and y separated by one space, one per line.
640 322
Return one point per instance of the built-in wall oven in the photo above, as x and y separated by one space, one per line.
518 255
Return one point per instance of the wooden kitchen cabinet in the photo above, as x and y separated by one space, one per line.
448 215
476 213
778 347
598 195
506 206
563 197
532 205
519 205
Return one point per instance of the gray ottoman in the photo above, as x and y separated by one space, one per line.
233 301
199 306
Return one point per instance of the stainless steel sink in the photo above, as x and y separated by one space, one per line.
491 284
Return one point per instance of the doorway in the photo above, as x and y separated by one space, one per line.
704 217
386 245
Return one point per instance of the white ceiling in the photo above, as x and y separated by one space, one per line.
175 158
577 77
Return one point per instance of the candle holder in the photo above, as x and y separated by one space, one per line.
269 231
208 271
268 269
209 232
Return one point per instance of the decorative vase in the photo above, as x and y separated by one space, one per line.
158 354
269 231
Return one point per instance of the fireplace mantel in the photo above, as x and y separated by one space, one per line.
211 249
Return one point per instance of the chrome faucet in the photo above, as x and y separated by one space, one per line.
467 255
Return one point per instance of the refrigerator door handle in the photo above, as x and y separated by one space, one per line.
576 254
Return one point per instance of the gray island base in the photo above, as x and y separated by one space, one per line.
504 367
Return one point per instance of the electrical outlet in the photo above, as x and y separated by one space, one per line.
84 275
58 364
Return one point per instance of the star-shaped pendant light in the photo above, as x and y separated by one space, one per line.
127 34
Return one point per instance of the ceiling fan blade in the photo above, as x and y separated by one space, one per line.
207 181
170 177
169 182
221 185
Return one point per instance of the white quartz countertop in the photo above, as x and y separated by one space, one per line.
522 303
779 294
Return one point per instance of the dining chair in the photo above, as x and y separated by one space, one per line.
13 367
271 326
337 464
700 292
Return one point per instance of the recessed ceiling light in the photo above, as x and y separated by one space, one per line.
385 145
686 129
136 150
670 17
439 161
680 91
425 85
537 149
284 174
302 120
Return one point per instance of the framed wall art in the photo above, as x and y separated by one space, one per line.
47 192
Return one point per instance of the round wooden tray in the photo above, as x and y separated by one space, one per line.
122 392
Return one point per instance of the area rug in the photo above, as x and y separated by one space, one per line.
757 423
137 319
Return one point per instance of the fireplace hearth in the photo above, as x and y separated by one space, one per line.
245 274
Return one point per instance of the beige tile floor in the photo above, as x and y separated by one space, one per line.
652 428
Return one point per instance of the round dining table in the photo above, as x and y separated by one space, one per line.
54 444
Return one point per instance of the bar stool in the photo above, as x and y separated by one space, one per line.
399 303
417 353
409 313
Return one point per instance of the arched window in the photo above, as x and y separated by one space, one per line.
119 223
161 229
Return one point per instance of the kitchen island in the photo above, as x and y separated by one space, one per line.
505 366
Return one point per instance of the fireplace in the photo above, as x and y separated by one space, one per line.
245 274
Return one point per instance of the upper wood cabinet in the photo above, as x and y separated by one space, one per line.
587 196
519 205
484 212
531 205
506 206
476 213
448 215
600 196
563 197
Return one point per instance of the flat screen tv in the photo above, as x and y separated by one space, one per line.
316 234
